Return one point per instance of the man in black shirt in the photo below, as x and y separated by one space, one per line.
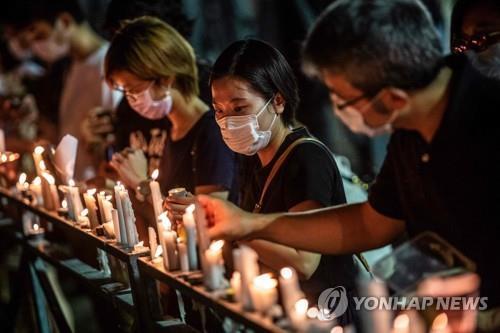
441 173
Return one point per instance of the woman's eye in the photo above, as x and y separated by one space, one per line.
238 108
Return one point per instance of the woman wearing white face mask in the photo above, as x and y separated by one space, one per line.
156 69
284 169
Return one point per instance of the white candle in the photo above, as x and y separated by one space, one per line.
116 224
156 196
107 206
183 255
2 141
190 228
153 244
169 243
289 287
214 272
47 196
76 203
236 285
201 228
246 261
298 314
90 203
52 189
100 198
37 158
129 216
36 189
264 292
83 219
121 218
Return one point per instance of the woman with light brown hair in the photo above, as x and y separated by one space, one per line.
155 67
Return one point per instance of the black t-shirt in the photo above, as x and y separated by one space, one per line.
308 173
200 158
451 185
128 121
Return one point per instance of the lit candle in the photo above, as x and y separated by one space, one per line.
22 185
190 228
47 196
37 158
401 324
153 244
156 196
289 287
183 255
90 203
264 292
169 242
236 285
36 189
83 219
73 200
214 272
52 189
116 224
440 324
298 314
37 230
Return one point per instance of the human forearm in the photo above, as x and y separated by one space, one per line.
333 230
277 256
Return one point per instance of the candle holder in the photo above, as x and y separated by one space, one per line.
36 233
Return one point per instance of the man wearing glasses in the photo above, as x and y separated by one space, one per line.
442 170
476 32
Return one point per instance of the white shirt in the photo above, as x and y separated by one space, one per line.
84 89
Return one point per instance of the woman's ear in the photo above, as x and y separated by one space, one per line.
279 103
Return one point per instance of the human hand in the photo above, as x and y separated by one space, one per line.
176 206
132 168
226 220
98 125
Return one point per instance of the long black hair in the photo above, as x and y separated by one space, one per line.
264 68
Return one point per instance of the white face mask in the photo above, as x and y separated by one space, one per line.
241 133
50 49
144 104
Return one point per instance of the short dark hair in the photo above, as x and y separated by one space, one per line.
29 11
264 68
169 11
376 44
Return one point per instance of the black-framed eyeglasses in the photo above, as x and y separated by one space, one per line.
352 101
478 42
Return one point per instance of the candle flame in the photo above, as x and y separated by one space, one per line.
22 178
39 150
71 182
337 329
103 193
440 322
64 204
42 165
91 191
84 212
286 273
13 157
265 281
37 181
50 179
36 227
190 209
217 245
301 306
159 251
312 313
402 321
155 174
4 158
167 225
109 197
